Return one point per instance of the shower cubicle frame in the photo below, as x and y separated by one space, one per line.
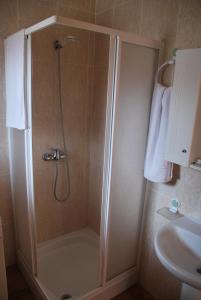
123 281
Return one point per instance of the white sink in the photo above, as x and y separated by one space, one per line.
178 247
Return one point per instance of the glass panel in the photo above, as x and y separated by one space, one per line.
69 91
127 183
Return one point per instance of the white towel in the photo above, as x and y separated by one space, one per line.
14 70
156 168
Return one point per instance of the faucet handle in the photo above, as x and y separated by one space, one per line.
47 156
55 153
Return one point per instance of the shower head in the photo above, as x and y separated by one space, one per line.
59 44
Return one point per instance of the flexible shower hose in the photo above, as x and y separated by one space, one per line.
67 173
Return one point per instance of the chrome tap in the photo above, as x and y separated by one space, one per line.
56 154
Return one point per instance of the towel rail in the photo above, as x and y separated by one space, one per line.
167 63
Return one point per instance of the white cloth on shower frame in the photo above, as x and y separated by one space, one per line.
156 168
15 88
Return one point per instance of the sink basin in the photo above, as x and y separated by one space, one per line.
178 247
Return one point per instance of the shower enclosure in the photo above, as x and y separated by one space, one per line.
77 171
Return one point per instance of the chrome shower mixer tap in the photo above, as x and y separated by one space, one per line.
56 154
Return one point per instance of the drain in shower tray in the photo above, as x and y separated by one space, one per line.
66 296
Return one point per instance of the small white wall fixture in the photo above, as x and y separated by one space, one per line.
183 145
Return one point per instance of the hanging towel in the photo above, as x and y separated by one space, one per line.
15 90
156 168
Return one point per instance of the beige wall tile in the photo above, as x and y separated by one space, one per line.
91 54
5 196
127 16
9 243
101 57
78 9
31 11
8 17
119 2
105 18
103 5
74 13
75 53
78 4
61 218
189 25
92 7
157 23
123 15
4 150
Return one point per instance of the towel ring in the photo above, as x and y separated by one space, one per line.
167 63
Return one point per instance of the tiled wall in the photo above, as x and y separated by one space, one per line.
16 14
83 70
57 218
179 24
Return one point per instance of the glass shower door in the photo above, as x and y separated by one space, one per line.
136 76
